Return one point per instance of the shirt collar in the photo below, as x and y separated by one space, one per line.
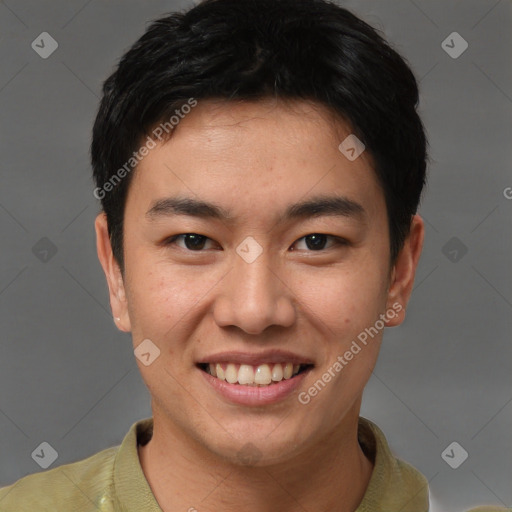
394 484
132 490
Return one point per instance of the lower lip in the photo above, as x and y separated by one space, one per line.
255 395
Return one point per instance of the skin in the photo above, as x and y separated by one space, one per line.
255 159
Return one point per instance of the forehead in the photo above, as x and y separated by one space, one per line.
213 122
265 152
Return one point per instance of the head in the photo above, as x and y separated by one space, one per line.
234 220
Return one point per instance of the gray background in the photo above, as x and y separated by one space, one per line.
69 378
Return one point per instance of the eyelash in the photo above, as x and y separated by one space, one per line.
337 241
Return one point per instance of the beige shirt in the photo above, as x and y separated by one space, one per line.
113 480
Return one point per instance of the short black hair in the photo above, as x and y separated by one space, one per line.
251 50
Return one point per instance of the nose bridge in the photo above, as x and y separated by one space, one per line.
255 280
254 296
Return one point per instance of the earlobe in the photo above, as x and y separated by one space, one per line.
403 272
113 274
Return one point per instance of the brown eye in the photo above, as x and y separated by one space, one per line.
192 241
317 241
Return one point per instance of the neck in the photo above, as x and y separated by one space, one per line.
331 475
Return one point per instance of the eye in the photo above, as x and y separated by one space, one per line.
317 241
192 241
196 243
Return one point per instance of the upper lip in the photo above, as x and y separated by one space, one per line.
267 356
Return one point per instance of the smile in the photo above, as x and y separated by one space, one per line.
262 375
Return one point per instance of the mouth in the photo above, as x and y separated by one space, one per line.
260 375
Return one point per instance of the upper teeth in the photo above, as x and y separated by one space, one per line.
250 375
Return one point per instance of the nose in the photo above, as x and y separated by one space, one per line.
253 297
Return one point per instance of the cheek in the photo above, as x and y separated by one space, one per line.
347 300
158 299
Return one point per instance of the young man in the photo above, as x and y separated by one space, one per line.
260 165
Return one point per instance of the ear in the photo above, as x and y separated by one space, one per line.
113 274
404 269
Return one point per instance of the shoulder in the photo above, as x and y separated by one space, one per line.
78 486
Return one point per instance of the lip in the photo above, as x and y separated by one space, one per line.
253 395
267 356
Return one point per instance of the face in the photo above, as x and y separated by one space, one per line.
276 259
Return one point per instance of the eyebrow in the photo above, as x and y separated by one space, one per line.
319 206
